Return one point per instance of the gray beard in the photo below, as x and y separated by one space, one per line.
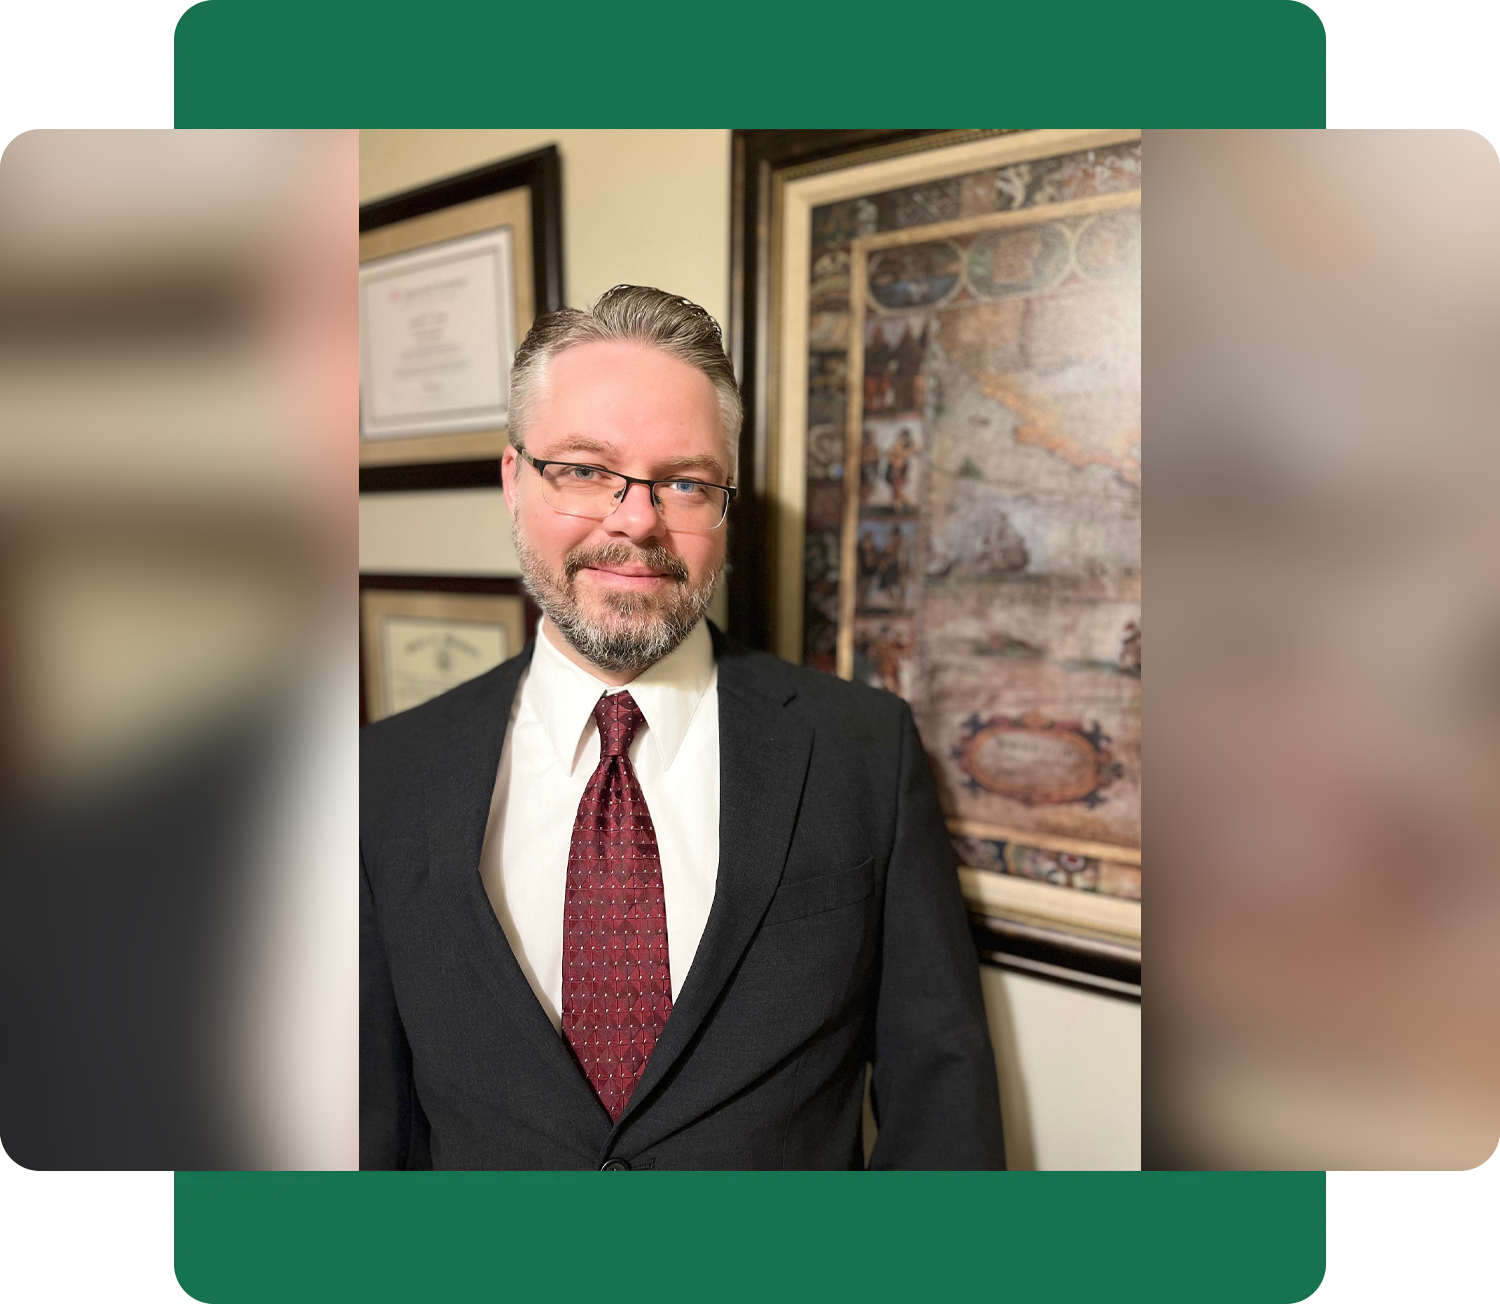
647 628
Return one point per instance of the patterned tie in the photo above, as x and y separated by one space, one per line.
617 984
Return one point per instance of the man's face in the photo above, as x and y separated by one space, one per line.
626 590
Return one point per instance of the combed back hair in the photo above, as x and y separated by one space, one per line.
636 314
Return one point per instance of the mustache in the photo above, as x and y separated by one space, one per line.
654 558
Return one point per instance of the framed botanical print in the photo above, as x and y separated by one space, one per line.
451 275
422 635
952 470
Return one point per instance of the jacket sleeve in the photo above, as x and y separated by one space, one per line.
935 1095
392 1128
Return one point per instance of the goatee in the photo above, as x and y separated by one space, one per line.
640 628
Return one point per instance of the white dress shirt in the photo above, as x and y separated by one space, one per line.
551 751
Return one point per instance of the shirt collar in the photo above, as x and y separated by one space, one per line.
668 694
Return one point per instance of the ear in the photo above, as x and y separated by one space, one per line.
510 461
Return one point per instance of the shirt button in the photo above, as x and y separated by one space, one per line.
614 1166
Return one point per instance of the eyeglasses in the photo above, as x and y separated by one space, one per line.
594 493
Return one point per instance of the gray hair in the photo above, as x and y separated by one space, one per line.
641 315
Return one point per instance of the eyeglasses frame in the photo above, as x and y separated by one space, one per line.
542 463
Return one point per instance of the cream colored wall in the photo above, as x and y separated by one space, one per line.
448 532
1070 1073
652 207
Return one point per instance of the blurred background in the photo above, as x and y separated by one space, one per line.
177 430
1322 314
179 679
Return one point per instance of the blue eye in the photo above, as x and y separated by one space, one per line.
686 488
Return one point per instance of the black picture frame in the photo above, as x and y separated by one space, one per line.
540 171
755 157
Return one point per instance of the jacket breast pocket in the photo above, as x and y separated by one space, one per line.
813 896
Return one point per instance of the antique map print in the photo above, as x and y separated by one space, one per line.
983 557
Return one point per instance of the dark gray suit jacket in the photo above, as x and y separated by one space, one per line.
837 936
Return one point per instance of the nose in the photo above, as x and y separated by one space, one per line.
636 517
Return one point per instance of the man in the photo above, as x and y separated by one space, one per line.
641 897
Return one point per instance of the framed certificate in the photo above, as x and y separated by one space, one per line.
436 335
422 635
451 275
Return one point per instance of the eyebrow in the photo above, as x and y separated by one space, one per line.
691 464
584 444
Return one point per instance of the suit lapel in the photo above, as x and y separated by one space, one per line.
763 757
459 786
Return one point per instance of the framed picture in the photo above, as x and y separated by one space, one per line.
451 275
422 635
437 331
948 438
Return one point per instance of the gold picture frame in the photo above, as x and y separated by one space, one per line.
795 193
1042 900
417 643
509 211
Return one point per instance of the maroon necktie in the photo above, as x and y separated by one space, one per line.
617 983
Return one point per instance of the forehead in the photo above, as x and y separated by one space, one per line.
630 400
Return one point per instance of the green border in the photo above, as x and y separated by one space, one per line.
755 63
783 65
1233 1238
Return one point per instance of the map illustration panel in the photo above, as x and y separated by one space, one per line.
997 539
974 519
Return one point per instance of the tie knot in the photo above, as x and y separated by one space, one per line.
618 717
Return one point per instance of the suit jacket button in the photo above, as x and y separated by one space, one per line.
614 1166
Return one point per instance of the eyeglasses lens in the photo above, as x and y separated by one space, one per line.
590 492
